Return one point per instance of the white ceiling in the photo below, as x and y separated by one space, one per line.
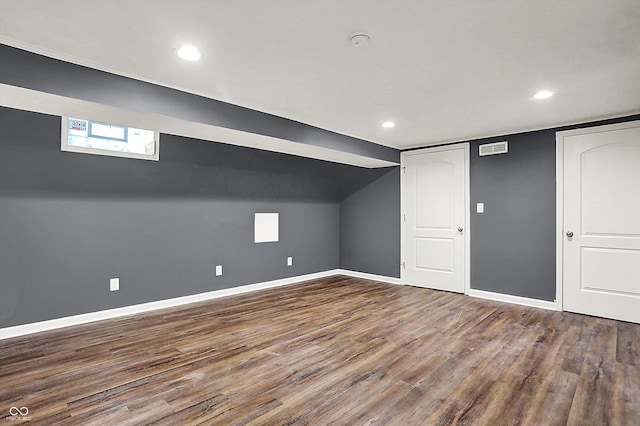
442 70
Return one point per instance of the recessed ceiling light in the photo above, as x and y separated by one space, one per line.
543 94
189 53
388 124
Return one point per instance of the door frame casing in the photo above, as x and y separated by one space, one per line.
560 135
467 206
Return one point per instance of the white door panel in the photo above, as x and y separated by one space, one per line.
433 181
434 203
434 254
610 270
609 175
601 268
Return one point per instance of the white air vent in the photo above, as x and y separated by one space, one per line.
494 148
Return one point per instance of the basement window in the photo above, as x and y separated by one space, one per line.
95 137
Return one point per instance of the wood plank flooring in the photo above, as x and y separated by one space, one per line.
335 351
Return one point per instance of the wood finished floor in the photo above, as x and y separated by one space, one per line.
335 351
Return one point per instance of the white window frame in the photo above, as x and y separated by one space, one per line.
97 151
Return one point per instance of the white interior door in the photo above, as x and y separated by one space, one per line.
601 222
435 218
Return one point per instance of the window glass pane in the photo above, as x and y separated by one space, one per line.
111 137
108 131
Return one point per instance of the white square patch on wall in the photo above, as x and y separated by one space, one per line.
266 227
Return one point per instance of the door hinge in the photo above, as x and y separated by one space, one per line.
404 169
404 217
402 265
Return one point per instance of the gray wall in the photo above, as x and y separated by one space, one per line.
513 241
69 222
32 71
370 225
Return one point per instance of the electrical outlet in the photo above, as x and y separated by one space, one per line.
114 284
289 261
218 270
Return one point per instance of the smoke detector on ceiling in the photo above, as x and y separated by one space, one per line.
360 40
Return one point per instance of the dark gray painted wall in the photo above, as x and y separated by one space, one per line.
513 241
370 226
32 71
69 222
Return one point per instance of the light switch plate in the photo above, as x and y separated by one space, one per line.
289 261
218 270
480 208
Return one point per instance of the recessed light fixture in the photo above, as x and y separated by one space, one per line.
189 53
388 124
543 94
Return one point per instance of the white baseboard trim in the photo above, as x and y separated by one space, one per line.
21 330
499 297
382 278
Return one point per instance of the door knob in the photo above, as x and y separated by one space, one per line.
460 229
569 234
